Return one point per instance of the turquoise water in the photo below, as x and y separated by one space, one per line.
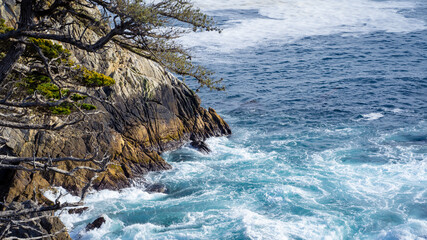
327 100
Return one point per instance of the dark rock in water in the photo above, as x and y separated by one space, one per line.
201 146
95 224
77 210
156 188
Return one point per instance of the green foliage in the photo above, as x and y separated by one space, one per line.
90 78
77 97
87 106
37 82
3 27
4 45
61 110
33 80
180 64
67 108
157 25
51 50
49 90
41 83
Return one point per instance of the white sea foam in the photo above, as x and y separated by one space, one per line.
372 116
128 195
59 191
180 230
376 184
140 231
111 202
110 225
289 20
413 229
324 188
259 226
397 110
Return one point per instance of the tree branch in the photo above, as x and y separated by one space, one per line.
56 126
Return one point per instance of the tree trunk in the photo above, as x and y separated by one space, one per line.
15 52
8 62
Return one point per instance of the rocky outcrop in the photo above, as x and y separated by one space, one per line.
77 210
95 224
34 226
156 188
149 111
200 146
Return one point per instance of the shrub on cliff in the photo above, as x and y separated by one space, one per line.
147 28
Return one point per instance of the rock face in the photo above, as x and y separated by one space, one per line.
95 224
37 226
200 146
149 112
77 210
156 188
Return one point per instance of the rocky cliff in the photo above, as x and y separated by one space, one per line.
150 111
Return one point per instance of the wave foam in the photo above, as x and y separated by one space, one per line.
289 20
414 229
372 116
258 226
140 231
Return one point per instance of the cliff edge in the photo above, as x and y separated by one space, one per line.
149 111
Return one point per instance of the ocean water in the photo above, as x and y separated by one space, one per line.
327 100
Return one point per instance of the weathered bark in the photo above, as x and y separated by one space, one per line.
9 61
16 51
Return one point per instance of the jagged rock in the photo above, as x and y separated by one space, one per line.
156 188
95 224
77 210
36 224
201 146
151 112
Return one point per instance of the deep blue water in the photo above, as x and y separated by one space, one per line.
329 125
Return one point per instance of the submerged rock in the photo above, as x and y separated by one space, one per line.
201 146
95 224
156 188
78 210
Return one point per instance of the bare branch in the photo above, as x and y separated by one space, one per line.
16 213
44 236
12 160
56 126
